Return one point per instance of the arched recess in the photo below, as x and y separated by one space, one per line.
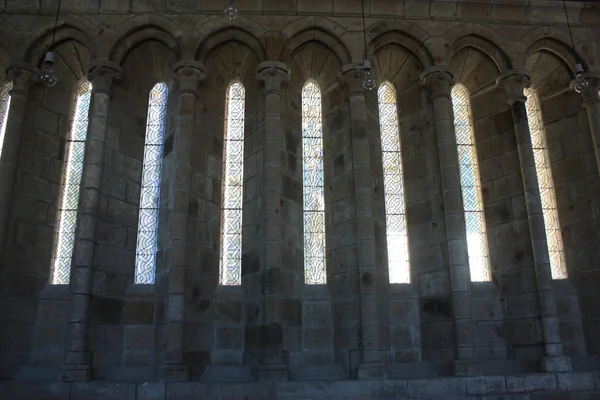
474 69
314 35
397 64
235 34
554 40
559 49
141 34
404 40
550 72
483 45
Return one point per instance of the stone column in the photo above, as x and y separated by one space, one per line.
591 102
371 365
273 74
187 75
77 359
439 81
21 76
514 82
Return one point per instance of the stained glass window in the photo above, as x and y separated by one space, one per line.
393 183
312 186
233 187
147 233
546 185
67 212
477 248
4 106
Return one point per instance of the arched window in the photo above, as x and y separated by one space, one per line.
233 187
147 232
69 198
393 183
4 107
477 247
546 185
312 186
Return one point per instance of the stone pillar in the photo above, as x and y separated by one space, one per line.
439 81
273 74
371 365
591 102
514 82
187 75
21 76
77 359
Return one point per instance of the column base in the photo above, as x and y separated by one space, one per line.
75 373
467 367
373 370
273 372
555 364
174 373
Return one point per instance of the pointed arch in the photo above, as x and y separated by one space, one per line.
71 181
315 35
34 52
470 183
141 34
393 184
230 34
312 185
546 185
230 270
147 232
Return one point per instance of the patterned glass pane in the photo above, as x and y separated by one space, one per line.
312 186
147 232
4 106
67 212
546 185
233 188
479 265
393 183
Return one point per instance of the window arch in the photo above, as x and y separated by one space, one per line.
470 182
69 197
147 232
4 107
546 185
312 185
233 187
393 183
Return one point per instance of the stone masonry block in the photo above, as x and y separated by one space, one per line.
486 384
102 391
437 387
529 383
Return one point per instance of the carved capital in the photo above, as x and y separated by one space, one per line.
438 80
188 74
592 94
101 75
22 76
352 77
514 82
272 74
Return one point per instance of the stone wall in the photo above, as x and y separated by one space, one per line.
186 325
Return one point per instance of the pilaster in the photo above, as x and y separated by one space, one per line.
591 102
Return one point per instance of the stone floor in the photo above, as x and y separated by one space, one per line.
561 386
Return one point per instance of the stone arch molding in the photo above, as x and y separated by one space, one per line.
558 48
405 40
141 34
317 35
225 35
489 48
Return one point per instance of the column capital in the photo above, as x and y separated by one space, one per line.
102 73
188 74
438 80
592 94
514 81
22 75
273 74
352 75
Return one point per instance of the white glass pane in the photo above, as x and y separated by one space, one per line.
393 182
67 211
233 188
546 185
147 232
470 183
312 186
4 108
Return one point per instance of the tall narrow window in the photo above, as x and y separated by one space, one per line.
69 199
4 107
147 233
393 183
546 185
233 187
477 248
312 186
